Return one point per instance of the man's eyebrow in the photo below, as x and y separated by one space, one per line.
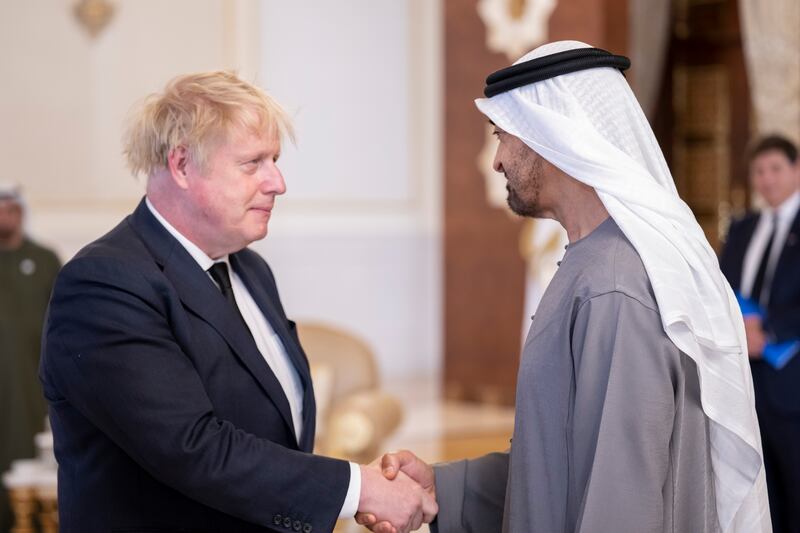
255 154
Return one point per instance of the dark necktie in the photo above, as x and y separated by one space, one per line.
219 272
758 284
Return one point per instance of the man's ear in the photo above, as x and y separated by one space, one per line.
177 162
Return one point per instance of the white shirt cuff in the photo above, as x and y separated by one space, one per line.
351 501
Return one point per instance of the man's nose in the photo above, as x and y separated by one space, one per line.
273 182
497 165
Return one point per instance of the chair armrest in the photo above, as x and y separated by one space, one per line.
359 423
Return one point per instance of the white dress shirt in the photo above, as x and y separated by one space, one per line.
270 346
786 213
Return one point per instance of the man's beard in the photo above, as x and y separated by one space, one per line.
531 207
519 206
7 232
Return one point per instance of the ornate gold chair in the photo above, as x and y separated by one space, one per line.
354 416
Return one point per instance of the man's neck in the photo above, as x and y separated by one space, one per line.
158 194
580 213
790 199
11 243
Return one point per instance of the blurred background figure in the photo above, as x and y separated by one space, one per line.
27 272
761 259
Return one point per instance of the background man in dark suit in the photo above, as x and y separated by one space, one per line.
180 397
761 260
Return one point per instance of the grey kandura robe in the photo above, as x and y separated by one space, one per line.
609 435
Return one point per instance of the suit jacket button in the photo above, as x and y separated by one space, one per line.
287 522
297 525
277 519
307 528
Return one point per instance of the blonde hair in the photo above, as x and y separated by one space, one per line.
198 111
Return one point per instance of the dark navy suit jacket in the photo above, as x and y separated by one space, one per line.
166 417
780 387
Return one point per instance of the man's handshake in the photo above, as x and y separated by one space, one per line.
398 494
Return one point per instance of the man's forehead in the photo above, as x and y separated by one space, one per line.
771 155
496 127
10 196
250 130
247 138
9 202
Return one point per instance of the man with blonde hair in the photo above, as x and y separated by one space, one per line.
180 397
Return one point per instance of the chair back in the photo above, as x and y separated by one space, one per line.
346 355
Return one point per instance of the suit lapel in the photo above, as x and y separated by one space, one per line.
198 293
256 283
750 229
786 260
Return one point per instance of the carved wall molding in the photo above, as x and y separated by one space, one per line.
515 26
94 15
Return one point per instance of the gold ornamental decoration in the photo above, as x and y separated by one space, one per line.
515 26
94 15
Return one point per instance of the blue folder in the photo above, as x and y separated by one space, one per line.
780 353
777 354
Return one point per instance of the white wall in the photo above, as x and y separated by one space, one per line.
356 240
64 96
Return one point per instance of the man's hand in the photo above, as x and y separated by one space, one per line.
399 502
403 463
756 340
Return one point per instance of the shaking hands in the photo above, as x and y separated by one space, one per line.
398 494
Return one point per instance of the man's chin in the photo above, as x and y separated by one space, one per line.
248 238
259 233
521 209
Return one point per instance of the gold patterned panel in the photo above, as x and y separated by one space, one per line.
701 145
701 101
516 9
710 225
705 174
695 3
23 505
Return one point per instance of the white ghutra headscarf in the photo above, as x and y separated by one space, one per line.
589 124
